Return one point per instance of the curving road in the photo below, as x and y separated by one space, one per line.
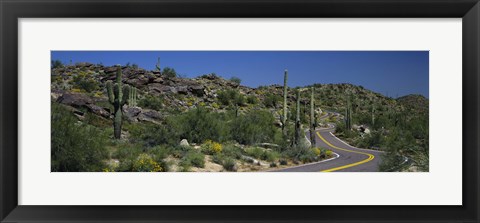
350 159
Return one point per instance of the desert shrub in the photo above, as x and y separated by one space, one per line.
317 151
198 125
232 151
304 155
194 158
235 80
127 151
229 164
283 162
255 152
75 147
85 83
56 64
149 134
151 102
145 163
271 100
231 97
169 72
252 100
270 156
253 127
273 164
211 147
328 153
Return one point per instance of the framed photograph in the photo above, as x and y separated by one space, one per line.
227 111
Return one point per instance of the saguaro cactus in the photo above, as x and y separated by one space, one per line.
132 98
297 121
285 110
117 97
157 66
373 114
348 114
312 118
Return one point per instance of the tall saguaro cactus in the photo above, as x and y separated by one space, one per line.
157 66
117 97
297 121
312 118
348 114
285 110
373 115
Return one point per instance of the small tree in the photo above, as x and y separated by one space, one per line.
169 72
56 64
236 80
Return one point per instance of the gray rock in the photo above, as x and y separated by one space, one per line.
160 88
150 116
131 113
184 143
77 100
197 90
182 89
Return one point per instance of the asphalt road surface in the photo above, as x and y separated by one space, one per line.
350 159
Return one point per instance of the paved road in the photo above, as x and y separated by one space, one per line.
350 159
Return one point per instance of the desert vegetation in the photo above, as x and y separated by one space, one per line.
128 119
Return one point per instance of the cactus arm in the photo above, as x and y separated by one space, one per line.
111 97
126 95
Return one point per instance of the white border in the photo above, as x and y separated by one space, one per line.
441 186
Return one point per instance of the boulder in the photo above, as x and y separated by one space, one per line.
150 116
131 113
160 88
182 89
184 143
138 82
77 100
197 90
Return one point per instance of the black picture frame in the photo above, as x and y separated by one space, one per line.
11 11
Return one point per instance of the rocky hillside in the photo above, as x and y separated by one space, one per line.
82 87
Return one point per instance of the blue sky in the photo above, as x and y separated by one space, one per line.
392 73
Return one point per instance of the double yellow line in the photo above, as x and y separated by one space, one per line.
370 156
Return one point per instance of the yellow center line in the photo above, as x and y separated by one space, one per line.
370 156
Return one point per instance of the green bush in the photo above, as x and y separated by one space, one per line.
169 72
236 80
75 147
56 64
85 83
304 155
229 164
255 152
194 158
232 151
231 97
145 163
151 102
150 135
271 100
253 127
210 147
270 156
252 100
198 125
